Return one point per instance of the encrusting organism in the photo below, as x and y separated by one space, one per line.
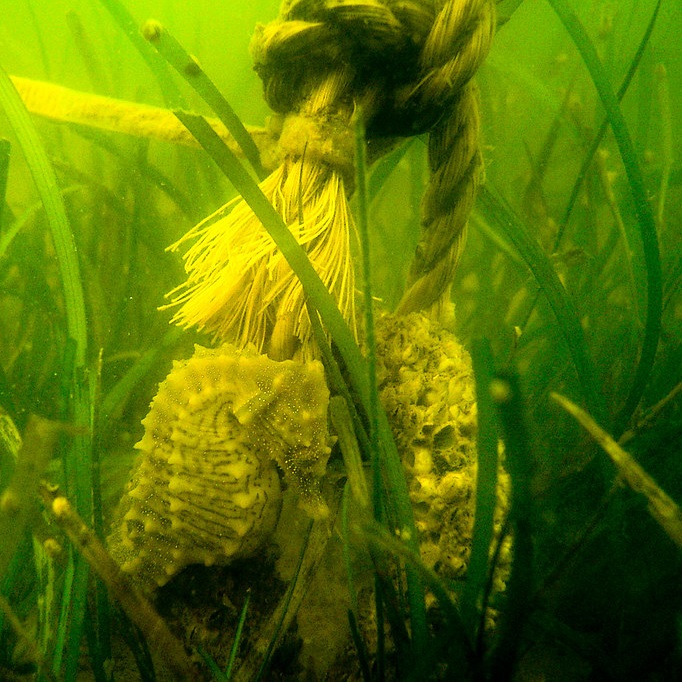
426 386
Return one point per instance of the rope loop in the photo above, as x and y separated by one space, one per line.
409 58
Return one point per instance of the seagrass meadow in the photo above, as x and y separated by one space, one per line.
340 340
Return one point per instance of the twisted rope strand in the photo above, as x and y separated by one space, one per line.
458 43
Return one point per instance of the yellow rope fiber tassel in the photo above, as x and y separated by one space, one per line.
239 286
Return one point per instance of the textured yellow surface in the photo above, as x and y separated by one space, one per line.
205 488
426 385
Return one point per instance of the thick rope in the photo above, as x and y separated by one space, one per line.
457 44
414 62
408 65
456 173
65 105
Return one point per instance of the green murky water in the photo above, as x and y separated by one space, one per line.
569 282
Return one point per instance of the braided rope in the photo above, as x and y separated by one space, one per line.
412 62
456 173
408 64
458 42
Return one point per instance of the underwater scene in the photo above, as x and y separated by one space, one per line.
340 340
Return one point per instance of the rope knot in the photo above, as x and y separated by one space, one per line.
407 64
409 59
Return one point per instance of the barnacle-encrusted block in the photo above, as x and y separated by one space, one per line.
205 488
427 388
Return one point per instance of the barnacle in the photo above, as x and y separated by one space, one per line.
426 386
205 488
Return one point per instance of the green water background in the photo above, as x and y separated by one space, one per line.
534 80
